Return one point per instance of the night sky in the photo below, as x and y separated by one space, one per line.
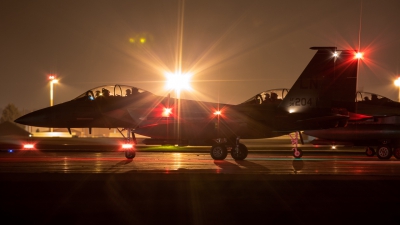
234 48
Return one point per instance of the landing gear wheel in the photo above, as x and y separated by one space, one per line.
218 152
396 152
370 151
297 154
384 152
130 154
239 154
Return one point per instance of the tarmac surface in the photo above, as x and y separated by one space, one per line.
172 185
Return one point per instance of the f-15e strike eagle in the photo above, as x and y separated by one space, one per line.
322 97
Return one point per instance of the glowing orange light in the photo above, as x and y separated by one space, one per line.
217 112
127 146
397 82
177 81
29 146
359 55
166 112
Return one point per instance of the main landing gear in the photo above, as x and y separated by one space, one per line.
297 153
219 151
384 151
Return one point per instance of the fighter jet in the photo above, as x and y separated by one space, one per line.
376 126
320 98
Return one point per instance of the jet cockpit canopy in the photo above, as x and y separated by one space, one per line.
111 91
371 98
265 97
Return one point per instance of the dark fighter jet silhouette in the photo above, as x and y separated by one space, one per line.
320 98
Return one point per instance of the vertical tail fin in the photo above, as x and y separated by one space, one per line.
328 81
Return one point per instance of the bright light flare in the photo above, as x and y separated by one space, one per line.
397 82
28 146
127 146
166 112
359 55
335 54
218 112
178 81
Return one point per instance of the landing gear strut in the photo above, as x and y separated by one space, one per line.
239 151
130 150
297 153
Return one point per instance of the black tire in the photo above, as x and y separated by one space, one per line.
218 152
370 151
241 154
297 154
396 152
130 154
384 152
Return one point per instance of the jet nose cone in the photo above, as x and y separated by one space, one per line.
27 119
37 118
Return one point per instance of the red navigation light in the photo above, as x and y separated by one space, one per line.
217 113
127 146
166 112
29 146
359 55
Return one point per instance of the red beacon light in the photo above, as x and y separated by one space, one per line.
217 113
359 55
166 112
28 146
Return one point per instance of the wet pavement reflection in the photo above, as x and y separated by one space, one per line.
164 162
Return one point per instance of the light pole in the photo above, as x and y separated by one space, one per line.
53 80
397 83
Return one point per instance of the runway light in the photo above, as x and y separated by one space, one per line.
335 54
397 82
178 81
217 113
10 150
166 112
127 146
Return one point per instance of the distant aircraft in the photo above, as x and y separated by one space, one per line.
379 126
320 98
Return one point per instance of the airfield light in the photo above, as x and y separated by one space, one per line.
359 55
53 80
166 112
335 54
178 81
397 83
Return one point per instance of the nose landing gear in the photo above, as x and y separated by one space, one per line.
297 153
